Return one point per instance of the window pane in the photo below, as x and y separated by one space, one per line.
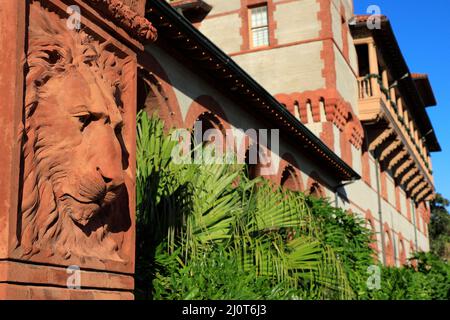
259 17
261 37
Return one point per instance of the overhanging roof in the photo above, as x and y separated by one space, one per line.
177 35
417 95
423 85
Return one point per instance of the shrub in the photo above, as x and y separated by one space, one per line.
208 232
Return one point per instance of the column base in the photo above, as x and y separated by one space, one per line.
26 281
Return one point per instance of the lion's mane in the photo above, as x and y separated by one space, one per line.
54 50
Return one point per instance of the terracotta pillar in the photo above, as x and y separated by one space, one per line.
393 95
400 106
373 68
406 118
67 167
385 80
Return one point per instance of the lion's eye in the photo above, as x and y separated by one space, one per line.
84 119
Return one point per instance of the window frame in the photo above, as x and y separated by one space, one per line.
251 28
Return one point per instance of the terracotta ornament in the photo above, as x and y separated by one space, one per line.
74 154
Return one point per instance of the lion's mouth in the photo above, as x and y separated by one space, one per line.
81 211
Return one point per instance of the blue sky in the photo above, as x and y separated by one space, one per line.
423 33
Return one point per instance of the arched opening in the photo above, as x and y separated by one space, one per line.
209 124
389 248
208 137
371 225
402 252
314 186
316 190
309 112
323 116
290 179
297 110
150 94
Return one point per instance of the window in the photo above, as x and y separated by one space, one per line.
259 26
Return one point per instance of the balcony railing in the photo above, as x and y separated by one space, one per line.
364 88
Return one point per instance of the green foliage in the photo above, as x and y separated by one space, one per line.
429 281
349 238
437 275
193 212
208 232
439 228
219 276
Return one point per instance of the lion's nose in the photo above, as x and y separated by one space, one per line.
107 156
112 178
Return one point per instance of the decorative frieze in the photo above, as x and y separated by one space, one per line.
334 108
127 18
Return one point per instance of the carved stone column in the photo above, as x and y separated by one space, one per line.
67 166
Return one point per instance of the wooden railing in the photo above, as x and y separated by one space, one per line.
365 89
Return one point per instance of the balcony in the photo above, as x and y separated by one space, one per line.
393 136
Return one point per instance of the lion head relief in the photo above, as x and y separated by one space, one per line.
74 155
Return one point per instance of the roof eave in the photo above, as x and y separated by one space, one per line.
316 146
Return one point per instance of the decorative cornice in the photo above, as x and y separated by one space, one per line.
393 145
397 158
125 17
383 136
410 173
413 183
336 109
418 188
425 193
